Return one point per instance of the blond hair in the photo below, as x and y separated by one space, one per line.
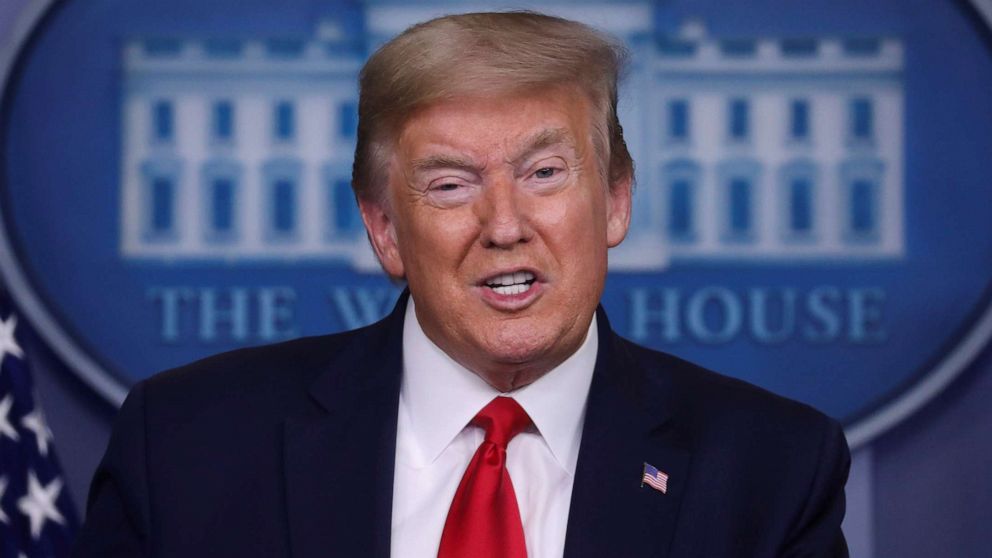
485 54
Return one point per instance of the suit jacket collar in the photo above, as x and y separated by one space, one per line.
629 423
339 459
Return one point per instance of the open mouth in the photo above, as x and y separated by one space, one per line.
511 283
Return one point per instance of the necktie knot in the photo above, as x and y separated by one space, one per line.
502 419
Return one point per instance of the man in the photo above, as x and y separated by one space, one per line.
494 412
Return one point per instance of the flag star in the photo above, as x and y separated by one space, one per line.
35 422
6 428
3 489
8 344
39 504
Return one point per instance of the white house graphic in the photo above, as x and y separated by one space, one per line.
761 149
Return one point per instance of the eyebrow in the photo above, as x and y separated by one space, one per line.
541 140
434 162
545 138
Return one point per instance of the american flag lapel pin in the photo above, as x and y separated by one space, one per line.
655 478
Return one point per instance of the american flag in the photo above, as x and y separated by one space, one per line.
654 478
37 518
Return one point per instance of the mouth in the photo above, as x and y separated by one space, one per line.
510 284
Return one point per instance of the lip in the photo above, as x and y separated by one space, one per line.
511 302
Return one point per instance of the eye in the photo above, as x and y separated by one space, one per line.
549 175
449 192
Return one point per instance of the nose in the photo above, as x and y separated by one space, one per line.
502 216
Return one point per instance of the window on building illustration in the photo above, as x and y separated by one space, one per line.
862 46
344 207
681 179
739 119
800 205
347 120
162 46
799 120
222 48
739 206
344 46
862 179
862 119
163 120
162 206
284 206
673 47
680 208
800 48
285 121
862 218
223 120
285 47
222 204
738 47
678 120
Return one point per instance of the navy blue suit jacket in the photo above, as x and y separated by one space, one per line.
288 450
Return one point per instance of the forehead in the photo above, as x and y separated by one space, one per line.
495 127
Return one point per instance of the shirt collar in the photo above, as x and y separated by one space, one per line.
440 396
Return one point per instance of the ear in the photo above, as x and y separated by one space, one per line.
618 200
382 235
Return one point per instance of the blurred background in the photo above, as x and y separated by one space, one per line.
811 215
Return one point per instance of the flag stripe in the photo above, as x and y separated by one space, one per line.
654 478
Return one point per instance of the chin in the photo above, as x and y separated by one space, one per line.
520 348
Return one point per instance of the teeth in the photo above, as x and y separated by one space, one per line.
511 283
512 289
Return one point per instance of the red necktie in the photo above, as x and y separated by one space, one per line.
484 520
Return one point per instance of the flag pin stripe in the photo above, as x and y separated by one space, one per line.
655 478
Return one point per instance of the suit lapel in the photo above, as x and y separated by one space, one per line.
627 424
339 458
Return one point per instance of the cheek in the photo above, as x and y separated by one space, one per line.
565 211
434 243
574 223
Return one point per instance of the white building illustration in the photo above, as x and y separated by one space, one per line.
762 149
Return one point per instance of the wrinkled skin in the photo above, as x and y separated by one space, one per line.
480 187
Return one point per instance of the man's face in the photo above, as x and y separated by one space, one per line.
499 218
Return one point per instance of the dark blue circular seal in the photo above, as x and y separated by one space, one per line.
810 215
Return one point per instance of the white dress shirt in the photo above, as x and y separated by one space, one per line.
435 443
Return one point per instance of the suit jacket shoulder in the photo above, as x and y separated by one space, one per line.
212 458
766 473
712 402
265 372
